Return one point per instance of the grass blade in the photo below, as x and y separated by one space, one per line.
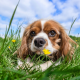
72 25
9 26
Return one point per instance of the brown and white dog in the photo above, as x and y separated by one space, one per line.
45 34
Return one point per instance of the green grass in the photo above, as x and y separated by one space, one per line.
1 41
8 62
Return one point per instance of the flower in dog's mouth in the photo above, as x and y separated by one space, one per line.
13 41
46 51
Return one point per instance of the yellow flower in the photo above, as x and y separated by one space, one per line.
46 51
20 40
77 46
9 47
76 40
13 41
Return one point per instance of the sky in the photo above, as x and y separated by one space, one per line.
28 11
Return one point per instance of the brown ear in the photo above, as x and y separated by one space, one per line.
66 47
23 50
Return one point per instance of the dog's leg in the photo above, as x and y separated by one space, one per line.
29 64
22 64
43 66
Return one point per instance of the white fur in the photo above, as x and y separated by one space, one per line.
28 64
19 62
42 23
44 36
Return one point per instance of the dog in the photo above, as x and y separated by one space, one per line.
49 35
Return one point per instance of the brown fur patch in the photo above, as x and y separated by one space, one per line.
49 26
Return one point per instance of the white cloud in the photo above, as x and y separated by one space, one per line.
77 24
43 9
3 25
7 7
68 10
1 35
67 24
27 9
67 14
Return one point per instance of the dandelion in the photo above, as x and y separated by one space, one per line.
46 51
20 40
9 47
77 46
76 40
13 41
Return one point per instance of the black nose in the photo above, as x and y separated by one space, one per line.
39 42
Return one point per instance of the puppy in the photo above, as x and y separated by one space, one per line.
45 34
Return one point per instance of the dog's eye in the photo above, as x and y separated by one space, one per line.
52 33
32 33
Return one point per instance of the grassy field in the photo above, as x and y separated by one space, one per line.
8 62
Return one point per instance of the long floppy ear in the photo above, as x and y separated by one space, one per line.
66 44
23 50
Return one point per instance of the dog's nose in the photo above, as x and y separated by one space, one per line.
39 42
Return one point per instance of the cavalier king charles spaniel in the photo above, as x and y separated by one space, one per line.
45 34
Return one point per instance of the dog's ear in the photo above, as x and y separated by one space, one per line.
23 50
66 44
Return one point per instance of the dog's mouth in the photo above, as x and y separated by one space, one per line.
40 57
39 52
42 53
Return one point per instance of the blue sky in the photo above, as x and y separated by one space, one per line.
62 11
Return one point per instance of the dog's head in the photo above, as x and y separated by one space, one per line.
45 34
